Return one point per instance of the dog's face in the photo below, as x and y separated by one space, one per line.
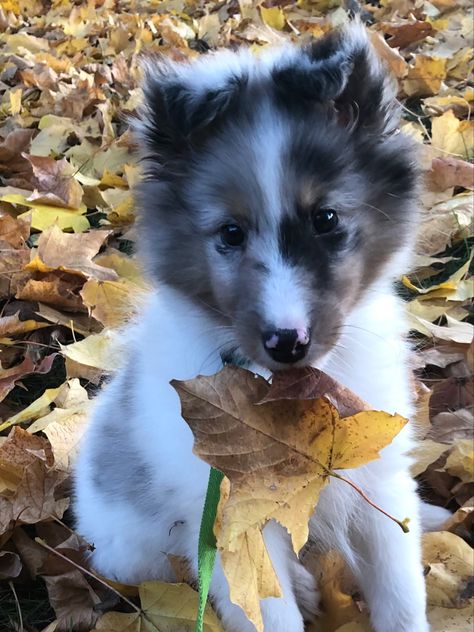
276 191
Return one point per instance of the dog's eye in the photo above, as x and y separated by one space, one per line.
325 220
232 235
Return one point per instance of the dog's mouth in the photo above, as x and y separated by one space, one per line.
236 357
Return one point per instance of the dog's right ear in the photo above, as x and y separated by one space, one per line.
180 99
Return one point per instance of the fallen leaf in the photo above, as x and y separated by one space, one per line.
43 216
71 253
36 409
14 232
35 496
450 562
75 602
453 136
273 16
166 607
425 76
173 607
14 169
452 426
462 521
57 288
9 377
64 428
461 461
111 302
12 325
277 455
450 172
55 182
455 331
391 56
338 607
10 565
406 32
100 351
424 454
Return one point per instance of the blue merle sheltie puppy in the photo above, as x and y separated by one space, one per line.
276 210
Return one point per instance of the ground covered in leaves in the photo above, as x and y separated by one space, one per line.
68 278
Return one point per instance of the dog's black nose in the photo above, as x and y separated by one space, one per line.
286 345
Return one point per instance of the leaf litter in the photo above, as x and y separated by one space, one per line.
69 280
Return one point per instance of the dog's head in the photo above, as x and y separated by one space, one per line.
276 191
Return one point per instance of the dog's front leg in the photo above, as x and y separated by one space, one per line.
387 562
279 614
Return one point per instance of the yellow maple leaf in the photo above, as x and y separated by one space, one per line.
460 462
273 17
425 76
100 351
451 135
448 560
110 302
164 606
71 253
277 454
44 216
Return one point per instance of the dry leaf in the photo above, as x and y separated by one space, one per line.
55 182
57 288
65 425
74 601
43 216
36 409
9 377
166 607
111 302
406 32
13 326
453 136
461 461
450 172
273 17
28 461
426 453
71 253
450 562
10 565
13 231
391 56
276 454
100 351
425 76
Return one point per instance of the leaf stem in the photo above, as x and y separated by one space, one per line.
403 524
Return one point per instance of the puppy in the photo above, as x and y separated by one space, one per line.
277 208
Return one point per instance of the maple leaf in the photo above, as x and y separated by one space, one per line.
170 607
29 491
70 253
277 454
9 377
55 182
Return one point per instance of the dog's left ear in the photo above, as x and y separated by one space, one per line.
182 100
342 68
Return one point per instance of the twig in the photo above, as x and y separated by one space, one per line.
97 578
17 602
